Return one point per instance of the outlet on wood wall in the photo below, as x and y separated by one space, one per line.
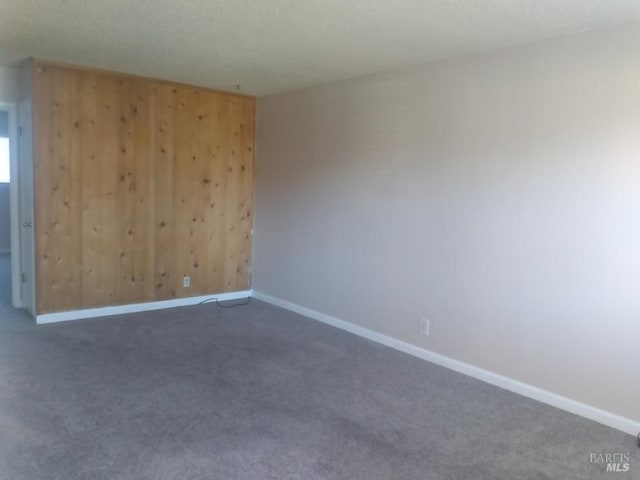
138 183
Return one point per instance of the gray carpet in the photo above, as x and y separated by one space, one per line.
257 392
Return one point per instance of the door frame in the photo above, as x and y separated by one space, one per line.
14 190
25 208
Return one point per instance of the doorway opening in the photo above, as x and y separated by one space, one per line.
16 185
6 147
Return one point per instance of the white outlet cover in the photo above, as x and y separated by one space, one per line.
424 326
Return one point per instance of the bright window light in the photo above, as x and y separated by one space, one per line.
5 177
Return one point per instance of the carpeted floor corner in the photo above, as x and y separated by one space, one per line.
256 392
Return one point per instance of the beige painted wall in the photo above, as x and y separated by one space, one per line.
9 84
498 194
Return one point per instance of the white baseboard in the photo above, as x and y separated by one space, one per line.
587 411
138 307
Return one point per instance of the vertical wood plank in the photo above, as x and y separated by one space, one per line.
99 171
134 192
57 244
164 195
239 196
218 125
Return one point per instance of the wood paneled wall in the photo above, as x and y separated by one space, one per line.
138 183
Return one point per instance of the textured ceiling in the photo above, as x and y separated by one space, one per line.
271 46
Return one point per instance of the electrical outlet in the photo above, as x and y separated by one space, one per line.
424 326
186 282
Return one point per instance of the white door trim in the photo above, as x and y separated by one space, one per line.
25 210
